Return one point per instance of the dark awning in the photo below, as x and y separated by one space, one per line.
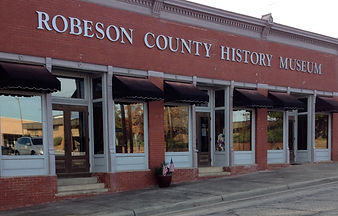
132 88
177 92
326 104
251 99
23 77
285 101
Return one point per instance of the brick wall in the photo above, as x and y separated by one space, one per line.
334 137
23 191
125 181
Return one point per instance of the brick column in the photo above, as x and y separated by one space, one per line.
261 136
156 144
334 137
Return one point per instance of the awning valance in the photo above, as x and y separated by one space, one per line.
132 88
326 104
177 92
23 77
251 99
285 101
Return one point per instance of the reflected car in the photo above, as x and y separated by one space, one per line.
29 146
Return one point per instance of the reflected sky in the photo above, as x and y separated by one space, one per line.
30 107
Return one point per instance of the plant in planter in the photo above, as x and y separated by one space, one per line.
164 174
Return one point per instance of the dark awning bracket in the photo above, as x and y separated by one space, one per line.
251 99
282 100
187 93
130 88
27 78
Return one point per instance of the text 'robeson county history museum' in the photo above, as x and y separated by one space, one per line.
108 90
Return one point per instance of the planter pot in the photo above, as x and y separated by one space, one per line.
164 181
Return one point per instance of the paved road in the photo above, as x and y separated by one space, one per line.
320 200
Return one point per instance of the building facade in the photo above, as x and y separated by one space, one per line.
113 89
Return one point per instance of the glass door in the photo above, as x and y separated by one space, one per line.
203 138
70 131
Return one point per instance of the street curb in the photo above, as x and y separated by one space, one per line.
218 198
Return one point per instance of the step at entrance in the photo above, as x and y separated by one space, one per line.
77 186
212 172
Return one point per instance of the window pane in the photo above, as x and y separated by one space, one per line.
219 130
176 129
59 132
21 125
97 88
98 128
321 131
242 130
302 132
129 121
78 133
275 130
203 104
219 98
70 88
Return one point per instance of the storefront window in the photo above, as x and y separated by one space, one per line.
219 98
302 132
219 130
242 130
275 130
21 125
70 88
176 128
97 88
321 131
129 128
98 128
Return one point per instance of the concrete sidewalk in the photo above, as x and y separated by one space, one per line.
185 195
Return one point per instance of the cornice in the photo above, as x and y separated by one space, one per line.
221 20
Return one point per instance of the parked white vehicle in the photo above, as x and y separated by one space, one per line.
29 146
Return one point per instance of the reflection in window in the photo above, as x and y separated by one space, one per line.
203 104
242 130
176 128
219 130
275 130
21 125
78 133
129 128
59 132
302 132
70 88
321 131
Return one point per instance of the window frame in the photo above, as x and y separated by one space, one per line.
189 130
284 129
253 123
145 131
44 118
329 125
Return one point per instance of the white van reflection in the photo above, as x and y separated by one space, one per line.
29 146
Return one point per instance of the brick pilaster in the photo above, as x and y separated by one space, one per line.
156 128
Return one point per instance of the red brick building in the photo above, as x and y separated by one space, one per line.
113 89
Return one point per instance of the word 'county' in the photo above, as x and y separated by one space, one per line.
181 45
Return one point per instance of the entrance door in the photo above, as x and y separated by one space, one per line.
70 130
292 139
203 138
